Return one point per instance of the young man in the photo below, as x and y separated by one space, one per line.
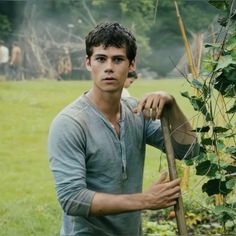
132 76
97 144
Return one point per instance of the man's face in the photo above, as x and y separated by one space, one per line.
109 68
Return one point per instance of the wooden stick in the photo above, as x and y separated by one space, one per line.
179 209
189 56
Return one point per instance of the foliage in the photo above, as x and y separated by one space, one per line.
165 37
156 29
199 221
5 26
216 104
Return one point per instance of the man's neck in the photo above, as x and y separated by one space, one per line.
108 104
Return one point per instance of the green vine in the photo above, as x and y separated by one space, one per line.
215 102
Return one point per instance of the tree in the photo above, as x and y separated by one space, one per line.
5 26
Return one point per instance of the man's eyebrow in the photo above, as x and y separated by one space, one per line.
100 55
104 55
123 56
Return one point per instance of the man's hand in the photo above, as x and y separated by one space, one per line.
152 104
163 193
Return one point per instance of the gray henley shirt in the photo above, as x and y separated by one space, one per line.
87 156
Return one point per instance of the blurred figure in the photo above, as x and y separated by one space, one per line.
15 62
64 67
132 76
4 58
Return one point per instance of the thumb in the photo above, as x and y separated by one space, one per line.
163 177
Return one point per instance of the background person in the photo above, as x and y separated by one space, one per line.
16 62
97 144
132 76
4 58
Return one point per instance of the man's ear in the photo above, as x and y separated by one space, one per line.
88 63
132 66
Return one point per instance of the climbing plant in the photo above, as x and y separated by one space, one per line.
215 104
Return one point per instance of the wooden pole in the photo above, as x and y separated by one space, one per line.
179 209
190 62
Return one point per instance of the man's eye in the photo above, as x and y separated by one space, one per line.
100 59
118 60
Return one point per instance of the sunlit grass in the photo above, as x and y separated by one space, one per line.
28 204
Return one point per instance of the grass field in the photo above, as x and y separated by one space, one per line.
28 205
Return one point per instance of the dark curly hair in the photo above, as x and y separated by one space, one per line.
111 34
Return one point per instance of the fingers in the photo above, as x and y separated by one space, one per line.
163 177
172 203
173 183
140 106
152 105
174 193
164 193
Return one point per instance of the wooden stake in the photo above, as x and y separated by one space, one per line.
179 209
190 62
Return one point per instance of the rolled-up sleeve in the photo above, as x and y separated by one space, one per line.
155 138
185 151
66 151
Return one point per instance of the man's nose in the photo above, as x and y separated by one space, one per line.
109 66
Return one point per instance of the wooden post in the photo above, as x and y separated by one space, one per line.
179 209
190 62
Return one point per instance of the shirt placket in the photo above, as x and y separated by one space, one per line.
123 151
120 140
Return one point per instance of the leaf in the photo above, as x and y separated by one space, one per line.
231 184
213 45
230 90
215 186
227 212
200 86
197 103
206 168
218 4
224 86
208 116
197 84
202 156
224 61
230 73
219 129
208 141
231 150
203 129
230 169
230 135
232 109
185 94
220 144
231 42
233 53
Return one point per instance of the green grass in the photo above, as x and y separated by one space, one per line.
28 204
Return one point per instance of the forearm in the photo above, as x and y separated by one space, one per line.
181 128
107 204
161 194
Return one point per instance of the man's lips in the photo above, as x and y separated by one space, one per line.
109 78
